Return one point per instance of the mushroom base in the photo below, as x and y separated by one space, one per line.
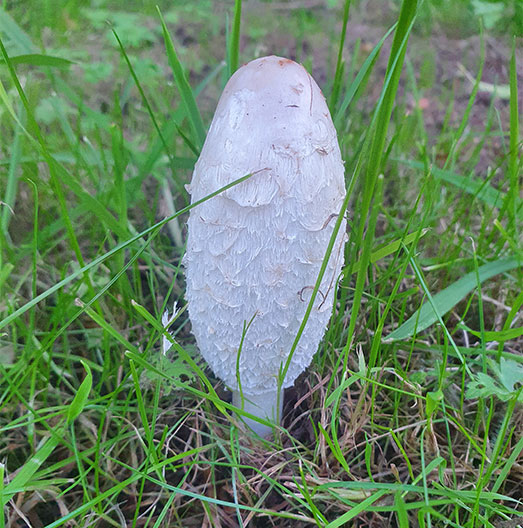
265 406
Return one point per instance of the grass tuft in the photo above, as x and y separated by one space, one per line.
410 414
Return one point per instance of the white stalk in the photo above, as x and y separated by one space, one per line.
266 405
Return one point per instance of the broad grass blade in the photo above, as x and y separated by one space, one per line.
446 299
37 59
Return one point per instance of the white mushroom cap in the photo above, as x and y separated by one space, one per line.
256 249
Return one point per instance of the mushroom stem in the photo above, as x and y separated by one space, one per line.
264 405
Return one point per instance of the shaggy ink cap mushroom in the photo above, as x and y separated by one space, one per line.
254 252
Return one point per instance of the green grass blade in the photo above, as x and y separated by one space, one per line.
336 87
168 130
234 44
181 351
80 399
360 77
2 471
457 136
30 468
15 34
377 147
143 412
142 95
353 512
514 311
100 321
401 511
390 248
9 199
5 271
499 336
446 299
186 93
515 145
508 465
38 59
474 186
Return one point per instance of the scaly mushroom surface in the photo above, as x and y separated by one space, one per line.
254 251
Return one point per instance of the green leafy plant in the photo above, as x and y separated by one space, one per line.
506 383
